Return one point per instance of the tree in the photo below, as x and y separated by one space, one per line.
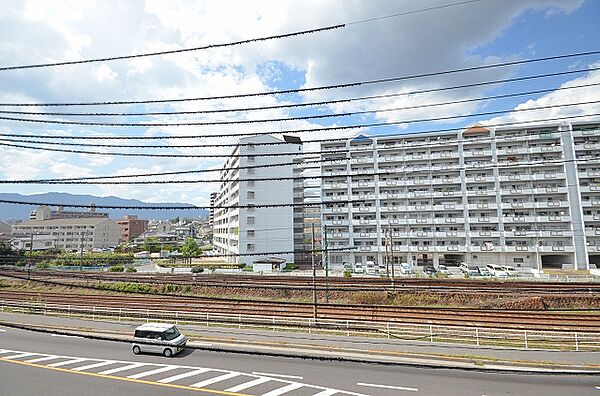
190 248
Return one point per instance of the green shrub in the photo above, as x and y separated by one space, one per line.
347 273
197 269
116 268
130 269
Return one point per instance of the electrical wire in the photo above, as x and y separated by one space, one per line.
307 104
447 168
487 139
319 88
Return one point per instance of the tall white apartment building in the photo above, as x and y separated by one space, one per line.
527 197
243 233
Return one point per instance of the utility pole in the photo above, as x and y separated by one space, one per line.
314 275
30 256
391 252
326 264
387 257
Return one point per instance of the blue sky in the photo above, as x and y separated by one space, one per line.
479 33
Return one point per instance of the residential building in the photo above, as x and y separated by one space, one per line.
521 196
211 216
45 213
131 227
73 234
5 231
242 229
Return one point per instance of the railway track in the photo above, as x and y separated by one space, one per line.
333 283
490 318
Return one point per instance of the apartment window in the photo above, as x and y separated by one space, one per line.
251 158
250 183
251 171
250 247
251 147
250 220
250 233
250 195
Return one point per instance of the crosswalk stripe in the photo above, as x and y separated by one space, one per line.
152 372
284 389
213 380
122 368
42 359
94 365
327 392
20 355
248 384
64 363
184 375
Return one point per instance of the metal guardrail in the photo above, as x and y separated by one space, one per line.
474 336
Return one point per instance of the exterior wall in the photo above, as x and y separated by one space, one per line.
521 196
242 232
74 234
131 227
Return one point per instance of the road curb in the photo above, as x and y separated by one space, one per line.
366 357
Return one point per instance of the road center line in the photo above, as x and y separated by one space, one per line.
277 375
388 387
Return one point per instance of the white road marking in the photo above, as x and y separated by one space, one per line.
285 389
66 362
122 368
184 375
20 355
152 372
42 359
61 335
327 392
277 375
388 387
2 331
214 380
248 384
94 365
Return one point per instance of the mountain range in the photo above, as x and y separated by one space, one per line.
21 212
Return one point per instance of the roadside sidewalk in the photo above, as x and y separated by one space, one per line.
315 346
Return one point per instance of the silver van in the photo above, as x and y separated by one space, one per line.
160 338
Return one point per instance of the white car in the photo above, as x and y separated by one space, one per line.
510 270
370 268
358 268
442 269
160 338
406 269
497 271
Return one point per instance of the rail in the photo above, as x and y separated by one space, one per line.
474 336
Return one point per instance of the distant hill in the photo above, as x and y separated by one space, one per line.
21 212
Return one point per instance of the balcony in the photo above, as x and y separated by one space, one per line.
419 208
335 186
446 180
364 209
545 149
454 206
364 235
483 220
393 208
517 191
449 220
361 160
555 204
364 222
589 173
390 158
334 210
333 198
587 146
587 132
591 218
370 184
477 153
482 206
550 190
514 177
479 179
548 176
519 219
511 151
335 222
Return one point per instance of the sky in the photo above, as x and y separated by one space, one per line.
368 47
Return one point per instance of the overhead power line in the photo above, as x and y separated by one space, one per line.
317 116
319 88
394 172
307 104
489 113
235 43
181 50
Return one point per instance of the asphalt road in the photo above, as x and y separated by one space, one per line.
39 364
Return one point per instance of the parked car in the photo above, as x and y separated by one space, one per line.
483 271
371 268
443 269
160 338
497 271
468 269
358 268
510 270
430 270
406 269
